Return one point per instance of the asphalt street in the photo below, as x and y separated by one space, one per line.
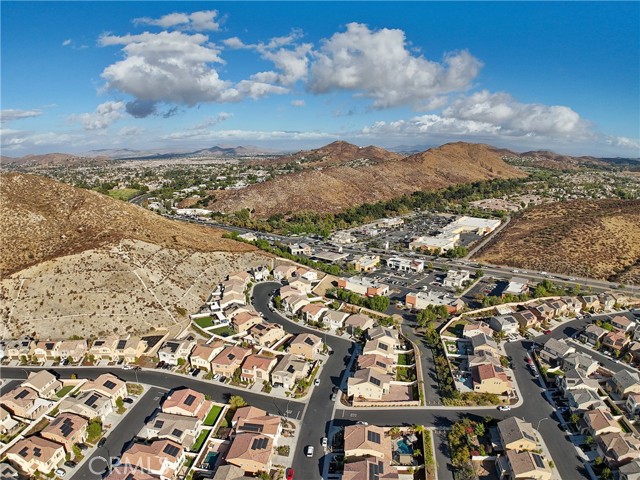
121 436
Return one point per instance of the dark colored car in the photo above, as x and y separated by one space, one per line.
82 447
289 474
127 400
70 464
160 364
547 332
102 441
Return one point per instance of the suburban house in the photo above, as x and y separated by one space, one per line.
558 306
177 428
8 471
358 321
607 301
553 351
483 357
596 422
241 277
369 383
72 350
574 306
456 278
108 385
382 363
256 420
633 404
24 402
242 322
576 380
634 350
287 291
592 334
283 272
580 361
43 382
526 319
162 458
622 323
251 452
88 405
300 249
366 263
363 286
582 400
484 343
505 323
293 303
470 330
173 350
8 425
618 448
384 346
544 311
256 368
306 345
366 441
364 468
630 471
202 355
18 349
301 284
491 379
306 274
229 360
260 273
289 370
104 348
625 383
335 319
46 350
130 349
516 434
36 454
232 298
615 341
523 465
313 312
188 402
67 429
590 303
266 334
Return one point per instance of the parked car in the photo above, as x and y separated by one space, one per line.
289 474
504 408
547 332
324 442
216 376
308 450
70 464
127 400
160 365
102 441
334 396
126 366
362 423
195 372
82 447
316 382
61 472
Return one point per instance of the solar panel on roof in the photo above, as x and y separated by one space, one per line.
383 346
121 344
308 341
387 333
171 450
373 436
259 443
375 381
176 432
37 452
252 427
22 394
109 384
23 452
189 400
538 460
91 401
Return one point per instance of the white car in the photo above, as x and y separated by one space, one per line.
216 376
324 442
308 451
316 382
60 472
504 408
127 367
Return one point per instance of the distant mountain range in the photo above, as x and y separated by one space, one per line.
215 151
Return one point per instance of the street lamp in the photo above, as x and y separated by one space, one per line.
539 421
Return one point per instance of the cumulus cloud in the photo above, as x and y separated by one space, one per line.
174 67
378 65
211 121
11 114
201 21
297 103
248 135
106 114
234 43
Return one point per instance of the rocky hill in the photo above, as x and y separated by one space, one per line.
341 175
75 261
53 160
597 239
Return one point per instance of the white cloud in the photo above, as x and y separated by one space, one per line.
297 103
197 21
234 43
174 67
105 115
131 131
378 65
247 135
67 42
11 114
211 121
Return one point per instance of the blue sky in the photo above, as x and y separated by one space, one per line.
78 76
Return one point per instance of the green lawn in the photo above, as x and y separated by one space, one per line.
225 331
405 359
197 445
212 416
203 322
64 390
125 194
457 327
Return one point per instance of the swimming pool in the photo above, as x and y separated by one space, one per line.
403 448
210 459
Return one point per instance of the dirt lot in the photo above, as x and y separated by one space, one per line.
597 239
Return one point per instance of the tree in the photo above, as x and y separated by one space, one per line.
394 432
236 401
94 429
575 418
119 403
479 273
378 303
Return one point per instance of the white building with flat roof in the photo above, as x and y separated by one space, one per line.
456 278
405 264
480 226
444 243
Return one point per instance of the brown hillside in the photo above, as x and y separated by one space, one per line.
54 159
598 239
336 187
43 219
